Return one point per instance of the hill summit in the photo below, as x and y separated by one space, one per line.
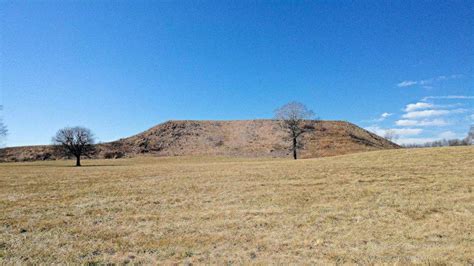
242 138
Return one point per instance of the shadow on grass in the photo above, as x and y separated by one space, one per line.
91 165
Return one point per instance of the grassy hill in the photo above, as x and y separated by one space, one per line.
238 138
394 206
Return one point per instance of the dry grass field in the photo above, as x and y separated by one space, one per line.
397 206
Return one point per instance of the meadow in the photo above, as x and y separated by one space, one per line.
394 206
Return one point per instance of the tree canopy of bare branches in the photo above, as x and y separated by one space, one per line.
469 140
293 117
391 135
470 136
75 141
3 127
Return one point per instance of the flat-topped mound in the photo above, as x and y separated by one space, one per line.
240 138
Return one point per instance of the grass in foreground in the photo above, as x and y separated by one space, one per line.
406 206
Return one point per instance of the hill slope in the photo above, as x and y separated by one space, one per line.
245 138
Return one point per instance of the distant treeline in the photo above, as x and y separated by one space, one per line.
442 143
469 140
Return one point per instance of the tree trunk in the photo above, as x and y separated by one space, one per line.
78 160
294 148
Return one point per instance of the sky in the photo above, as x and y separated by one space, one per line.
121 67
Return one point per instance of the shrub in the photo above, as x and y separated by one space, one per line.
114 155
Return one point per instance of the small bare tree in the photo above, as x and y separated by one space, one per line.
293 117
470 136
3 128
391 135
75 141
3 133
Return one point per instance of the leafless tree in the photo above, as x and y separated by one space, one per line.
3 128
391 135
75 141
3 133
470 136
293 117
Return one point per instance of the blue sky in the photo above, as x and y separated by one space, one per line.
120 67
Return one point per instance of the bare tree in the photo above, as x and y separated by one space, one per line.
470 136
391 135
75 141
3 128
3 133
293 117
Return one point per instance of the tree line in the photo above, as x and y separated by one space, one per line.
469 140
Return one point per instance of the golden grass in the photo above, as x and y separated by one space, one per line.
397 206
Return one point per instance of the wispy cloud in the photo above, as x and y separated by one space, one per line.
407 131
425 113
449 97
431 113
439 78
443 135
398 131
407 83
381 118
417 106
405 141
447 135
427 82
422 123
385 115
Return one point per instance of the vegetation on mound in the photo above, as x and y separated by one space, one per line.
238 138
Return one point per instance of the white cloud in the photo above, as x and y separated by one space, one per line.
417 106
398 131
443 135
430 113
407 123
381 118
422 123
385 115
447 135
408 83
449 97
377 130
434 123
455 76
407 131
440 78
404 141
425 113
